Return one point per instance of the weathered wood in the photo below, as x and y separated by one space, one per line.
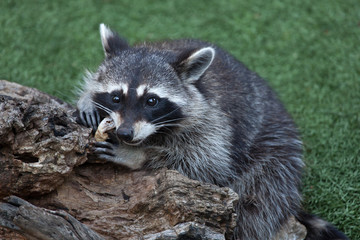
122 204
42 224
188 230
40 142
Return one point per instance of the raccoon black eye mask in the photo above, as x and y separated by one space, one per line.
190 106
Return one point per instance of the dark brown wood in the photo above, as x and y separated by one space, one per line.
39 223
40 142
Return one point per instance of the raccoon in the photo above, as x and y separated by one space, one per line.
190 106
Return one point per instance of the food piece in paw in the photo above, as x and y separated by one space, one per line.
106 125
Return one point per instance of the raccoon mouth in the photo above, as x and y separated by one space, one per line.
133 143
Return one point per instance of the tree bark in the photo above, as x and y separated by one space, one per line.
38 223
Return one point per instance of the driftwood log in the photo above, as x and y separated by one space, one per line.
44 161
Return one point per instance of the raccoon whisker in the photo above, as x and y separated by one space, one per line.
107 110
103 107
165 133
165 115
169 125
170 120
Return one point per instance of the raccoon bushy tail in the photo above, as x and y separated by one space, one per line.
319 229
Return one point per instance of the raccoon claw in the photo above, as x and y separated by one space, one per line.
90 119
104 150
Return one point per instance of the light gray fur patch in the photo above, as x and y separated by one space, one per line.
164 92
105 34
116 117
142 130
319 223
86 92
115 86
140 90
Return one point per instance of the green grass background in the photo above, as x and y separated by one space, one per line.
308 50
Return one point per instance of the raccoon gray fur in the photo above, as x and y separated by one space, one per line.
190 106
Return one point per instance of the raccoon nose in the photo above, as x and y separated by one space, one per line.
125 134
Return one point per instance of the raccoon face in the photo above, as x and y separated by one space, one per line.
139 112
144 91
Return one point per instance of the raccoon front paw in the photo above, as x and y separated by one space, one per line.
131 157
90 119
105 151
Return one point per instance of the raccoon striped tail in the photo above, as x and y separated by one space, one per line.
319 229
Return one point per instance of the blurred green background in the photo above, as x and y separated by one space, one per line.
309 51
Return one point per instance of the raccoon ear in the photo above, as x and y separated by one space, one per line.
191 65
111 41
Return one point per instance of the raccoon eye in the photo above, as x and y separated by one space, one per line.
152 101
116 99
